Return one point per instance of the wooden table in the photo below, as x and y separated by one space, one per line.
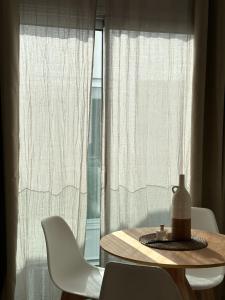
125 244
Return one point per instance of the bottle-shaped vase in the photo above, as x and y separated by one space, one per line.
181 212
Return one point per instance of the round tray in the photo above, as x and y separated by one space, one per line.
194 243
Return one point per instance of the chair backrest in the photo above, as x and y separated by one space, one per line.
135 282
62 250
203 219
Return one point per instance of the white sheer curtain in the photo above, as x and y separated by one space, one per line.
56 49
148 81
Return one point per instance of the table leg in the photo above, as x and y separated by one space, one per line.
205 294
179 277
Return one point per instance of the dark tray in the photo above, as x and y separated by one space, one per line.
194 243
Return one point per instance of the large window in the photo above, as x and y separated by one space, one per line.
69 140
150 76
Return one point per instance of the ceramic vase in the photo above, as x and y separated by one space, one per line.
181 212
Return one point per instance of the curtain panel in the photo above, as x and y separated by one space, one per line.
9 145
148 102
208 123
56 52
170 16
208 109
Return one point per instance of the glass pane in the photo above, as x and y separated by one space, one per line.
94 147
94 158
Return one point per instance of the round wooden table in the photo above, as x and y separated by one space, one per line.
125 244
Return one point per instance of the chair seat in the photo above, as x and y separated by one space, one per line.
86 283
202 279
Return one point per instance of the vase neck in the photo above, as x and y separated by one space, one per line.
181 180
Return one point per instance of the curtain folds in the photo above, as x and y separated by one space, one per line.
208 123
208 109
56 52
9 145
148 99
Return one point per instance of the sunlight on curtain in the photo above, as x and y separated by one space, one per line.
55 83
148 119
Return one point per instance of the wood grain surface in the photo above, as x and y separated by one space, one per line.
125 244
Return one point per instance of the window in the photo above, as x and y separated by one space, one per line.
159 78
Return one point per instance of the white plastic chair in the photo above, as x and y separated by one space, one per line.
134 282
67 268
207 278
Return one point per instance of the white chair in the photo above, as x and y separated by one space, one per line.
134 282
67 268
207 278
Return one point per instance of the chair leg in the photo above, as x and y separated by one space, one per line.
205 294
67 296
